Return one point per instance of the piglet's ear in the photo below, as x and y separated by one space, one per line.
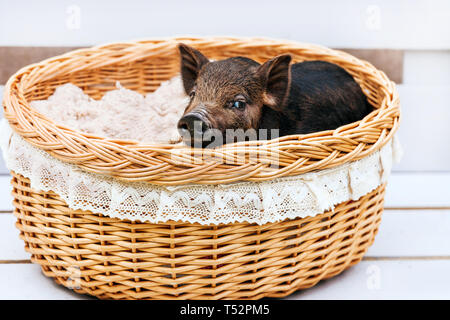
192 61
276 76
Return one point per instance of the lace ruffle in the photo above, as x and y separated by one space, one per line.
254 202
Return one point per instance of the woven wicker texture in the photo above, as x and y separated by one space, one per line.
142 66
111 258
118 259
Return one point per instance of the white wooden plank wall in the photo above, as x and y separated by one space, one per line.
413 24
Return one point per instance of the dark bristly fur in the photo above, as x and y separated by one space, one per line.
295 98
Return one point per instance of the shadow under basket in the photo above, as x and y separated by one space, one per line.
115 258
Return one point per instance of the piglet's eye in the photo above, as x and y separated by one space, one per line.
239 104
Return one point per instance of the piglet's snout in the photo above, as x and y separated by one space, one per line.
192 126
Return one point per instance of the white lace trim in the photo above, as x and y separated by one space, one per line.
254 202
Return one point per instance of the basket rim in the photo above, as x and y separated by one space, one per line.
167 164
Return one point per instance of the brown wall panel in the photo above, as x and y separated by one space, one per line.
13 58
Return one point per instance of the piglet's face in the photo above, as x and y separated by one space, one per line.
227 96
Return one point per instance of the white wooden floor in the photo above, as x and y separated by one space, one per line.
410 258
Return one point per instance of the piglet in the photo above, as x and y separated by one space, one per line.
239 99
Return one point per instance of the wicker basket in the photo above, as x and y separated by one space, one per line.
121 259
